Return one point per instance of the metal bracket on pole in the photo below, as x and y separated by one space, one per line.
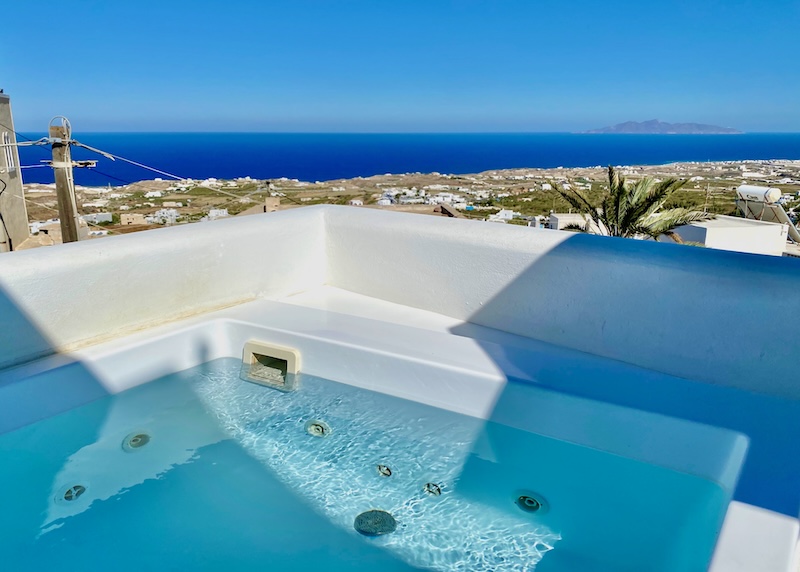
60 132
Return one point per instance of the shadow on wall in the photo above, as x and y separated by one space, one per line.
685 332
27 353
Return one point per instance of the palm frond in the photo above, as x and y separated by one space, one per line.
576 199
665 221
648 197
674 236
617 200
632 209
581 203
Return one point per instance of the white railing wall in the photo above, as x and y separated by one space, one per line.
715 316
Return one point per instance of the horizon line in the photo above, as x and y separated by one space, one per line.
255 132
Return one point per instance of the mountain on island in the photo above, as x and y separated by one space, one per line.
660 127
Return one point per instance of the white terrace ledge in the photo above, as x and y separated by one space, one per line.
588 315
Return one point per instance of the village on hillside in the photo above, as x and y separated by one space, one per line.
526 197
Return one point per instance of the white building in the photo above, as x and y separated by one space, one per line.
410 200
163 216
97 218
738 234
559 221
443 198
384 202
217 213
96 204
153 195
504 215
537 222
356 203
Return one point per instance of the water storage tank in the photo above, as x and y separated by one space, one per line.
756 194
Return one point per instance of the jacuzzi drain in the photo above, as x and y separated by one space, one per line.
135 441
433 489
317 428
375 523
74 492
528 503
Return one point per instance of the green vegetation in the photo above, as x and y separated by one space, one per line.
533 203
713 200
479 215
518 221
634 210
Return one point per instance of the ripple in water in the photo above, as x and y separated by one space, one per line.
338 475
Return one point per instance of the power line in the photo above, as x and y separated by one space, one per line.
44 141
18 134
153 169
113 156
123 181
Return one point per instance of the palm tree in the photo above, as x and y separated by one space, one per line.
634 210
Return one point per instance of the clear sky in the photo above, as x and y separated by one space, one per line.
400 65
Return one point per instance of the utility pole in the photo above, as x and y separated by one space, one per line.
61 136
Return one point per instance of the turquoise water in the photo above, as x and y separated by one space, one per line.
227 477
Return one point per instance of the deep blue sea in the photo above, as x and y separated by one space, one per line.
319 157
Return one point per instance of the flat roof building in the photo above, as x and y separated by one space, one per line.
737 234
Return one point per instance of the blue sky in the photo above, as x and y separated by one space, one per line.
410 65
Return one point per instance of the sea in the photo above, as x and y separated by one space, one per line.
328 156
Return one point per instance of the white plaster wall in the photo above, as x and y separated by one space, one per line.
753 236
762 239
61 296
699 313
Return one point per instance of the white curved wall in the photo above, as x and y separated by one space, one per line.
714 316
75 293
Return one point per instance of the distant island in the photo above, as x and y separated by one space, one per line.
654 126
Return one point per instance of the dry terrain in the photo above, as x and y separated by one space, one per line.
711 186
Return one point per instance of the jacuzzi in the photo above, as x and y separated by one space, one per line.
484 449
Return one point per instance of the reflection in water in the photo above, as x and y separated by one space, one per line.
146 432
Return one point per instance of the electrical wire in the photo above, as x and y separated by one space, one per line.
131 161
45 141
17 133
149 168
30 143
123 181
113 156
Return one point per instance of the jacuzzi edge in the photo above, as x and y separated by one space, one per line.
474 390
